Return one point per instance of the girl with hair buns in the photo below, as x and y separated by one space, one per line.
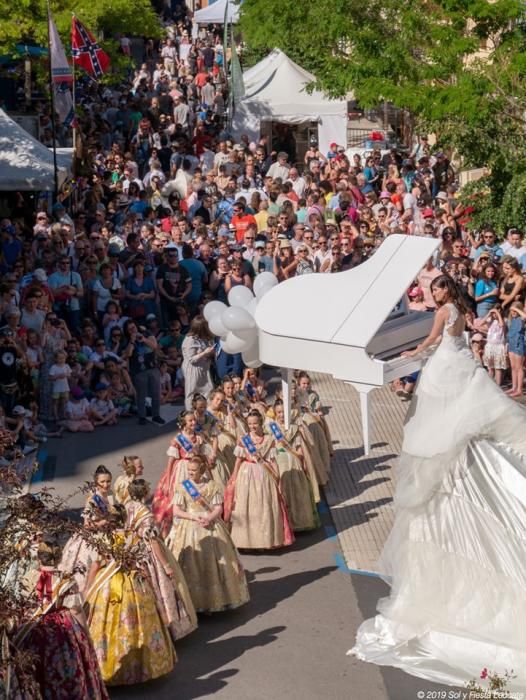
65 663
295 479
206 427
132 643
171 591
133 468
99 509
254 504
201 542
183 447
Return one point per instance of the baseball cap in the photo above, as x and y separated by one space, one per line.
101 386
77 392
416 292
259 244
58 206
441 195
151 317
385 195
428 212
285 244
19 411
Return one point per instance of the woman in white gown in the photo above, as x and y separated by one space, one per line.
456 556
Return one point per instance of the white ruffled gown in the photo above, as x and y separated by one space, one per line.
456 556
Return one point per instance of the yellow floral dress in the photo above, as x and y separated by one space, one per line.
207 555
131 641
295 480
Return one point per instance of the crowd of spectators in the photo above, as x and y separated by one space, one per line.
100 298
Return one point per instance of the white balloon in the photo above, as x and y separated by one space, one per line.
263 290
251 353
264 279
239 296
234 344
251 307
237 319
213 308
217 327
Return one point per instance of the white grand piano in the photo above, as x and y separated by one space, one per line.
352 324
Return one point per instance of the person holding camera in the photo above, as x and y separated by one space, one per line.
66 287
139 348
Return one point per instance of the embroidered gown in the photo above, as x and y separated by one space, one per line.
172 595
175 473
295 481
207 556
254 504
66 667
131 641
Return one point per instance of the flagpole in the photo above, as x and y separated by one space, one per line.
74 92
52 95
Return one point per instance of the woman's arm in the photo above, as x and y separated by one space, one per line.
508 298
247 281
434 335
182 514
228 283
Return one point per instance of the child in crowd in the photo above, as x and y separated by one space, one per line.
477 346
103 412
59 374
166 383
495 358
416 296
78 415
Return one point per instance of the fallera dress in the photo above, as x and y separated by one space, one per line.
78 554
131 641
207 556
316 427
254 503
174 601
174 474
295 482
220 470
66 666
456 555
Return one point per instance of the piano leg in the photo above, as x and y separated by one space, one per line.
286 385
364 390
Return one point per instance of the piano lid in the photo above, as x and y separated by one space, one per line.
349 307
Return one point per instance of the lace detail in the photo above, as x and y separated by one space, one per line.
453 315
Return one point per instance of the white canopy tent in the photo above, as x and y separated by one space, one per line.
25 163
215 13
275 91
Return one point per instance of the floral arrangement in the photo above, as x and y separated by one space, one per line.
495 689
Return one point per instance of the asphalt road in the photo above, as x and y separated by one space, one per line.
290 641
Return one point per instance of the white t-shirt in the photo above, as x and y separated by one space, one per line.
77 410
103 294
60 386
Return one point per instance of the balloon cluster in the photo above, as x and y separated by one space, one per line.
235 325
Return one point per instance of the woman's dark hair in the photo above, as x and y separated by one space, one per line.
196 398
278 402
199 328
125 328
138 489
455 295
100 470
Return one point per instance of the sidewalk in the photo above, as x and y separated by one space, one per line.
360 489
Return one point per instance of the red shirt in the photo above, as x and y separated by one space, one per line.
242 223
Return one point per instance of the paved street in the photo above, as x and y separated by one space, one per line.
290 640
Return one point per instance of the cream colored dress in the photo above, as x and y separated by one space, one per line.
207 555
120 488
295 482
259 516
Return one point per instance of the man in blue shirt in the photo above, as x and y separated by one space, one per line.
198 275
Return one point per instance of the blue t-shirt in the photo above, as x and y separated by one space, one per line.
485 286
197 272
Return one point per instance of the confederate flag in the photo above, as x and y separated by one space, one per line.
86 52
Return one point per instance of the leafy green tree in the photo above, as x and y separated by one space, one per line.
25 21
457 65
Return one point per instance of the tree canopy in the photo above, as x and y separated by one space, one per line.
457 65
25 21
